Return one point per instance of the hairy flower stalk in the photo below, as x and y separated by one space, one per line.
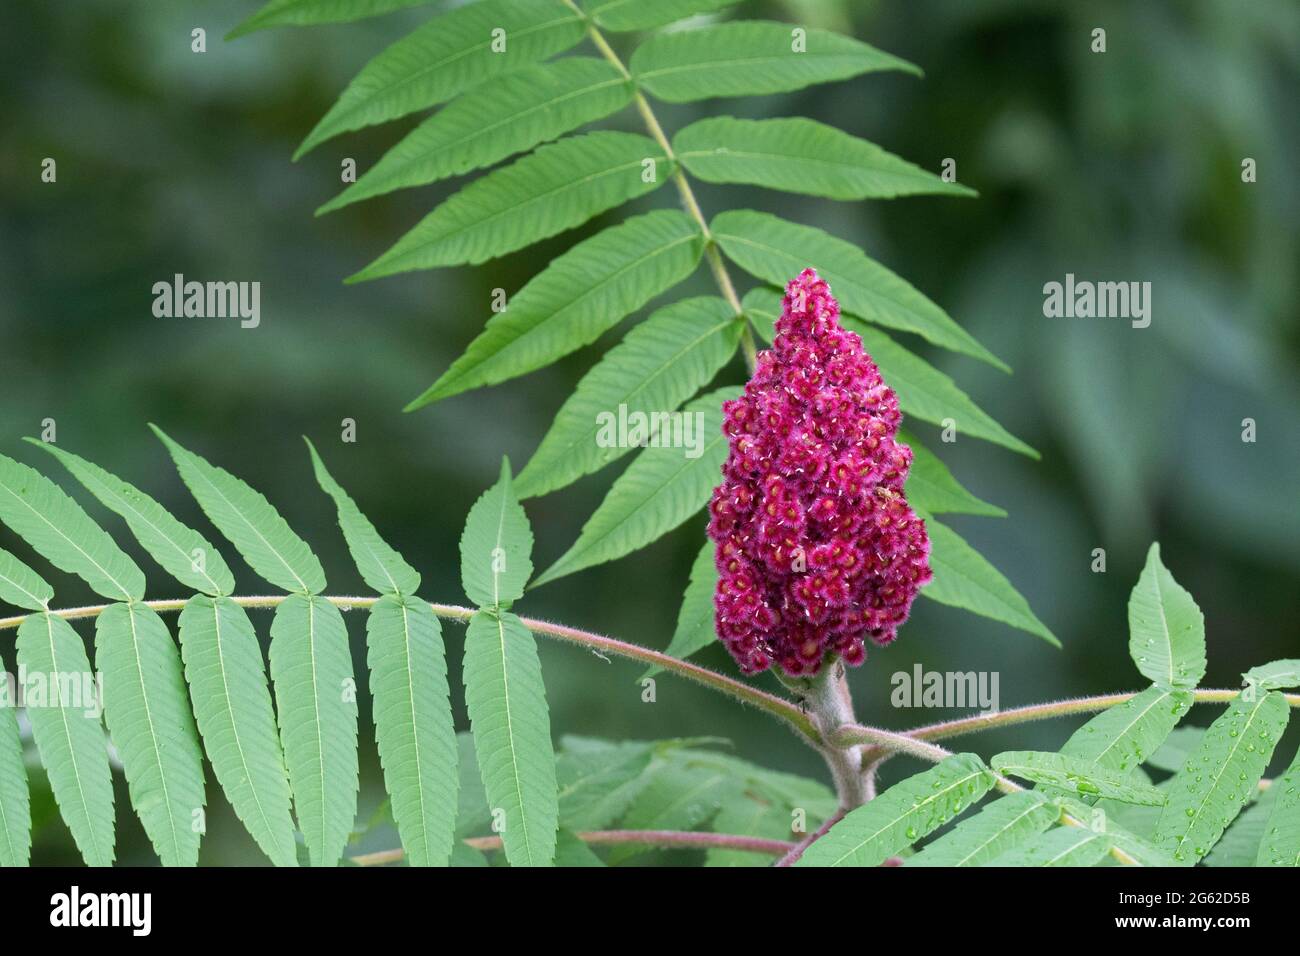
817 547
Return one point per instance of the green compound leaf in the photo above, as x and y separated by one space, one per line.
626 15
1241 843
752 58
496 547
1002 826
662 362
1166 628
43 515
315 695
932 487
1122 737
1103 818
598 780
448 55
21 586
15 800
1219 778
1276 675
223 665
180 551
902 814
413 725
70 742
578 297
506 699
695 621
964 578
250 522
929 394
749 816
1280 845
148 715
775 251
801 156
508 115
301 13
1075 775
1064 846
381 567
556 188
660 490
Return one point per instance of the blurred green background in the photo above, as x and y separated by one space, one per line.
1122 166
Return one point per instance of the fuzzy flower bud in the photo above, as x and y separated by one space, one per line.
817 547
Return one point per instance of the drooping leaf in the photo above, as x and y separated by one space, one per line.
448 55
496 547
413 725
1000 827
678 798
507 115
625 15
662 362
68 733
280 13
599 780
1122 737
695 620
557 187
964 578
751 58
251 523
571 851
903 814
148 715
382 567
1076 775
801 156
1221 776
932 487
43 515
923 391
748 815
182 552
1166 628
1063 846
776 251
315 695
579 296
662 488
1277 675
506 699
1280 844
15 800
223 666
21 586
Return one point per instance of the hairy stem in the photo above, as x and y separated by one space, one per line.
886 743
597 643
669 839
827 697
692 206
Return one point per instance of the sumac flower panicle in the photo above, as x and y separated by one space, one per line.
817 547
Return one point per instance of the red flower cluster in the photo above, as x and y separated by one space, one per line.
817 547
